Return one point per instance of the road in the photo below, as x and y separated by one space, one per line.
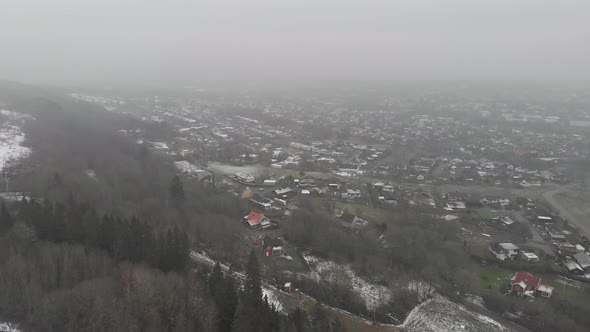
537 240
565 213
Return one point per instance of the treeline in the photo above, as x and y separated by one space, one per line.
123 239
418 249
52 280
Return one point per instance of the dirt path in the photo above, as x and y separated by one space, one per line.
565 213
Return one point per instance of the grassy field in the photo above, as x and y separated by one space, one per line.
487 213
295 265
492 277
579 296
578 206
489 277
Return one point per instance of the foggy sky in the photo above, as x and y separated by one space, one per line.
184 41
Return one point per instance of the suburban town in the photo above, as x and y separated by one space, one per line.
295 166
511 177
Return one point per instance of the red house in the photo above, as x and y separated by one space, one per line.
527 284
255 219
272 247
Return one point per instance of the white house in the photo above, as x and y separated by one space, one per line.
504 251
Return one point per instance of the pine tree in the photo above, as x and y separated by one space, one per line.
250 306
253 285
298 318
176 189
5 218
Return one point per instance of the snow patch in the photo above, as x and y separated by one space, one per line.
11 138
186 167
439 314
90 173
373 295
272 298
9 327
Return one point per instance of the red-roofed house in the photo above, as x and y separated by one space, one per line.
524 283
255 219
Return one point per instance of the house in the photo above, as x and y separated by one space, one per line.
283 192
307 183
351 220
388 188
507 220
495 201
353 193
456 205
272 247
529 257
524 283
255 219
573 267
554 233
583 260
544 219
504 251
565 248
244 177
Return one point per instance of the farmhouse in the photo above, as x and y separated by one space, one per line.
524 283
255 219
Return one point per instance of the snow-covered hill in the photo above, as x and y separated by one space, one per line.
12 138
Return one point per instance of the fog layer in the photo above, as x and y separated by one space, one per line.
183 42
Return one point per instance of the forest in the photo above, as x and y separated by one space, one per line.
111 254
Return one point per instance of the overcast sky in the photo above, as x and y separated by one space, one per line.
192 41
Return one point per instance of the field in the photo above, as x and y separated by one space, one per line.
295 265
491 277
487 213
576 205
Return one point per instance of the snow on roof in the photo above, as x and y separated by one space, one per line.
507 220
582 259
508 246
527 278
530 255
254 218
544 218
545 289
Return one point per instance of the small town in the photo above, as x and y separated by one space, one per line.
295 166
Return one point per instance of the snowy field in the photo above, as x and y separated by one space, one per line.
109 104
442 315
11 138
8 327
254 170
373 295
184 167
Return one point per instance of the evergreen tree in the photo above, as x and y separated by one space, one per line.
250 306
176 189
298 318
223 292
5 218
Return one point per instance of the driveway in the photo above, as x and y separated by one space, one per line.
537 240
